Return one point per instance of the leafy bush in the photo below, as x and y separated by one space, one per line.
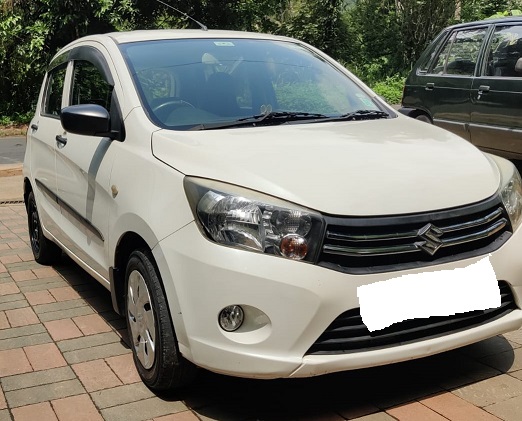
390 88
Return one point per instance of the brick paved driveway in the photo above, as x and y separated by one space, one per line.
63 357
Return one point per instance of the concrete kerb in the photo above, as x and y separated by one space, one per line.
11 183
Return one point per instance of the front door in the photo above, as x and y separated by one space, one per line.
448 82
496 113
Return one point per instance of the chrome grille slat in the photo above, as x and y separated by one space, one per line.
418 240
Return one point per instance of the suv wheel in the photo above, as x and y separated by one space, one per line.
153 341
423 117
45 251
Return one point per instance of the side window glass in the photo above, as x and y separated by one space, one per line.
54 91
459 55
89 86
504 51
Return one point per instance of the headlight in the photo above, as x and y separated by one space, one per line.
248 220
511 194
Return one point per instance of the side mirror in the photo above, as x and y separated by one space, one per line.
518 65
87 120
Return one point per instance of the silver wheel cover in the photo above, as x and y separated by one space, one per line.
141 319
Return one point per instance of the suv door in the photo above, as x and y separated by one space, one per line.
84 163
496 95
43 135
448 81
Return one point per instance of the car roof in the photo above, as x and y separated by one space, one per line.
493 21
160 34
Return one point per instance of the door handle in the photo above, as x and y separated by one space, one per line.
61 140
483 89
429 86
34 127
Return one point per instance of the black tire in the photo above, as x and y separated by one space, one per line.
424 118
151 334
44 250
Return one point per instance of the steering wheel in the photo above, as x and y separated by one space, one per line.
164 109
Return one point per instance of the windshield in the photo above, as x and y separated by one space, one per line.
192 83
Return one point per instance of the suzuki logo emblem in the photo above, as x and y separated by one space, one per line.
430 236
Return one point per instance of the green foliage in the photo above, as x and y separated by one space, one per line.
390 88
379 40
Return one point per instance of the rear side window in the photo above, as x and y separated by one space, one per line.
54 91
89 86
459 55
504 51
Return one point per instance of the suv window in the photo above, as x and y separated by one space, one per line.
89 86
54 91
504 51
459 54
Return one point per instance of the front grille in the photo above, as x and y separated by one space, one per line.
379 244
348 333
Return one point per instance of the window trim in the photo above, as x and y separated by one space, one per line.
52 70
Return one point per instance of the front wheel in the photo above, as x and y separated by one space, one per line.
44 250
153 341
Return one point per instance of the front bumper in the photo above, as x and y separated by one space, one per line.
300 301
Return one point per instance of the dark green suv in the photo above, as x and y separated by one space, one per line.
469 81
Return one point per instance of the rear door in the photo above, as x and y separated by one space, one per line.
448 81
496 95
42 136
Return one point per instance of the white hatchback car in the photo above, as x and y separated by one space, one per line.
235 192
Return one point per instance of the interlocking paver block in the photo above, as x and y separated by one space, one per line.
76 408
41 284
180 416
37 412
23 275
3 403
39 297
64 294
44 393
13 258
123 366
13 361
16 332
490 391
509 410
65 314
45 356
37 378
28 340
60 306
455 408
9 288
96 375
88 341
4 324
92 324
95 353
63 329
45 272
21 317
381 416
13 304
506 361
4 415
414 411
11 297
121 395
142 410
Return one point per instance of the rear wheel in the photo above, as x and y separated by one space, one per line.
44 250
424 118
153 341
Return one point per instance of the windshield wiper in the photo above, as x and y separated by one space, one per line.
360 115
274 117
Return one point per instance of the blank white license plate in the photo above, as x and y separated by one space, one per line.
434 293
